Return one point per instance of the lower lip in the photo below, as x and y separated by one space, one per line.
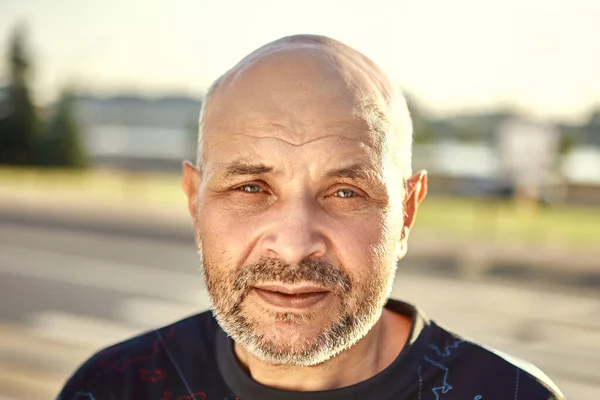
295 301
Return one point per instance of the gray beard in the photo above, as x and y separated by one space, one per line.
360 308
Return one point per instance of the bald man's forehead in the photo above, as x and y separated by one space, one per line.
302 91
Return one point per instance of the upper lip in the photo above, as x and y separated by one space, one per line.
291 289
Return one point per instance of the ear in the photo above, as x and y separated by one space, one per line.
190 184
416 190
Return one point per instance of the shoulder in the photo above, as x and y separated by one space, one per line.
144 358
492 369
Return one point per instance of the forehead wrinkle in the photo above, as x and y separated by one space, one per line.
352 129
306 142
254 163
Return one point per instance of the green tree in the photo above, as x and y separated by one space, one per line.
61 144
470 135
192 129
20 125
566 144
424 135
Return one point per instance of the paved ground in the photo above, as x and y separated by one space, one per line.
66 293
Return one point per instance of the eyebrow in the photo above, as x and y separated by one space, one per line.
355 172
242 168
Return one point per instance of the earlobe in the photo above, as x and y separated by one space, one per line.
401 246
416 190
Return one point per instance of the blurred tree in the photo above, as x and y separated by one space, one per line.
470 135
424 135
424 132
19 125
566 144
192 128
592 129
594 118
191 151
61 144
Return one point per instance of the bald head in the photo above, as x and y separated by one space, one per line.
298 77
316 55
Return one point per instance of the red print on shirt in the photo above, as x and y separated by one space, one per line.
121 366
152 375
193 396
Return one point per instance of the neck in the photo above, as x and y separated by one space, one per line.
371 355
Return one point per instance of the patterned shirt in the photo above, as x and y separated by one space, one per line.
194 359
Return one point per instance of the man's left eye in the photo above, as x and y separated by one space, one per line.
250 188
345 193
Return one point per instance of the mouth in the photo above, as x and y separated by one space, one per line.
291 297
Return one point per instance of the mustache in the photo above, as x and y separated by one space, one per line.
319 272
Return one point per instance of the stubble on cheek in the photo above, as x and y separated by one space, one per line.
219 279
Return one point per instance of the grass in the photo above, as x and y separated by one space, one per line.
96 186
558 225
460 218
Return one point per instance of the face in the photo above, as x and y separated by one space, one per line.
294 212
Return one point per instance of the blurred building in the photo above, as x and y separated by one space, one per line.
138 133
528 154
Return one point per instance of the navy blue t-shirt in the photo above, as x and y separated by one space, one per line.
194 359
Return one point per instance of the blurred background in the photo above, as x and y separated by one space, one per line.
99 103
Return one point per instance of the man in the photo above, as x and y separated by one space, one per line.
302 202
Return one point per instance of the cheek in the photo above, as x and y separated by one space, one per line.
365 247
224 237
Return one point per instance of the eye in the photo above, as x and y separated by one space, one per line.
250 188
345 193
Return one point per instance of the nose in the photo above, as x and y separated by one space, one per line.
295 231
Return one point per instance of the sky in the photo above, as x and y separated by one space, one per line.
541 57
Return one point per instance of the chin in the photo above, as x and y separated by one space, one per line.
291 352
302 343
291 334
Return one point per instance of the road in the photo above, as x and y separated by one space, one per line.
66 293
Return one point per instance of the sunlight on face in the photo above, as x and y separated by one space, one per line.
295 220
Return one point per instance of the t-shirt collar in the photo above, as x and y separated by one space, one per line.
393 379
